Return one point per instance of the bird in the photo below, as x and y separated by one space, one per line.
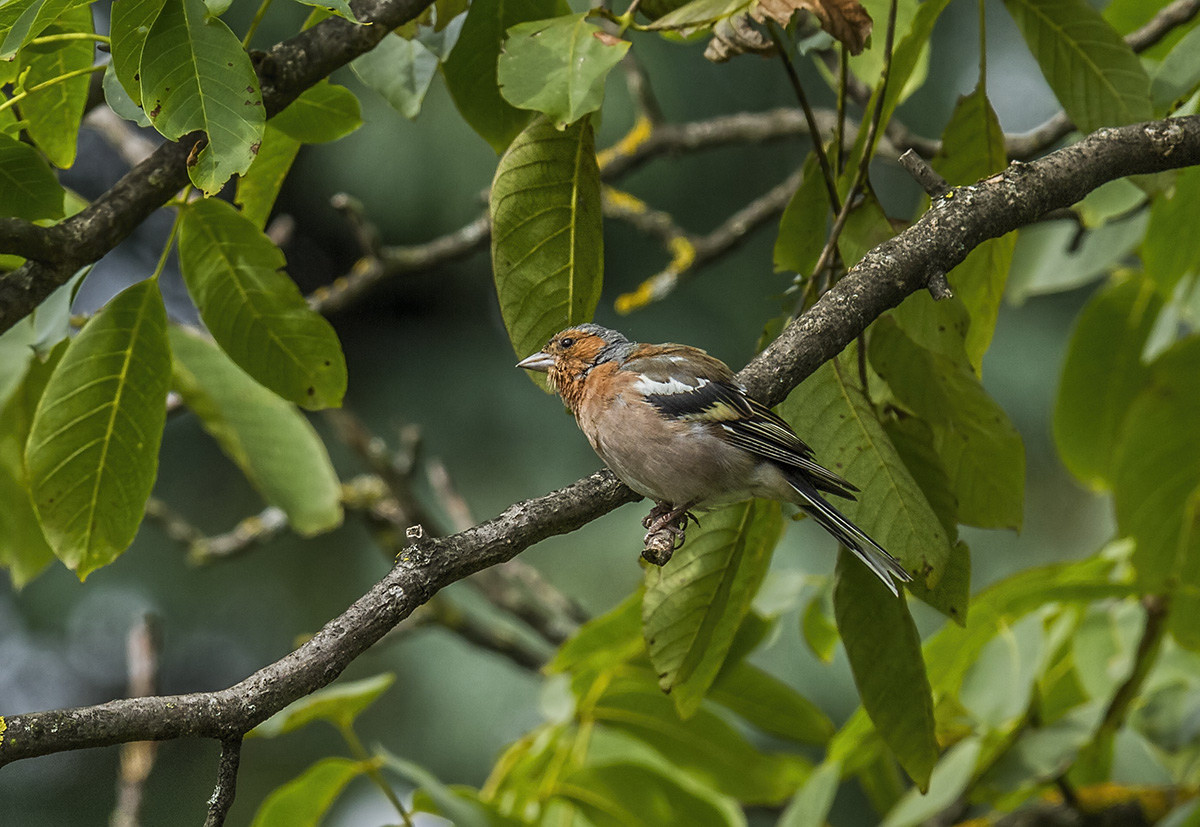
675 425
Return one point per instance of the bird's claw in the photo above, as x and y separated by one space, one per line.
666 528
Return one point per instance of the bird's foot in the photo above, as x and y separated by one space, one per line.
666 527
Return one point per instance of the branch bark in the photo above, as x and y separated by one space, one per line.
939 240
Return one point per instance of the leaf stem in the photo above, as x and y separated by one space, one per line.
258 18
372 770
162 258
66 37
48 83
781 46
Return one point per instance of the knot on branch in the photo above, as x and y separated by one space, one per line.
1164 136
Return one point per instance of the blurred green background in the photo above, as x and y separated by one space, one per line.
429 349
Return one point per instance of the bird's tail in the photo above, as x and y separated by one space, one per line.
886 567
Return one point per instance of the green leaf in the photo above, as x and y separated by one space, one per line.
605 641
399 69
53 114
914 441
338 705
769 704
937 325
996 689
697 14
1179 73
274 445
23 20
1047 259
119 101
1166 254
23 548
830 413
52 318
131 21
628 795
820 632
695 604
547 240
803 223
93 447
28 187
1094 74
884 651
1044 753
324 112
258 189
947 783
558 66
470 71
703 745
303 801
460 811
254 311
196 75
341 8
980 449
1102 374
810 806
1157 466
952 595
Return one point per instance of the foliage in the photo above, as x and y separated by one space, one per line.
662 712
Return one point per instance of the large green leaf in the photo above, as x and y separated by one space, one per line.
605 641
884 651
1094 74
23 548
703 745
1167 250
979 447
28 188
254 311
1157 467
303 801
973 147
1049 257
324 112
93 447
558 66
53 114
399 69
695 604
768 703
810 806
131 21
274 445
1102 373
338 705
1179 73
829 412
628 795
470 70
196 75
547 241
948 782
803 223
23 20
258 188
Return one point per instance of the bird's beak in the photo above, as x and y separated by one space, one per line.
540 361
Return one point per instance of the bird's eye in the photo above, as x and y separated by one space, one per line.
566 343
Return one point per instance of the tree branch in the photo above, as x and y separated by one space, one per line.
901 266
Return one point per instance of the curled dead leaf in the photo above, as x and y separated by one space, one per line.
607 39
845 20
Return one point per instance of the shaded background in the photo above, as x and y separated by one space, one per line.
430 349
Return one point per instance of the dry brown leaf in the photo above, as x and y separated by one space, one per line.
845 20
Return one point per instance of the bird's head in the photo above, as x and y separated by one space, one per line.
572 353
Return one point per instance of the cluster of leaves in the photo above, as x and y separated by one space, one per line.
1035 677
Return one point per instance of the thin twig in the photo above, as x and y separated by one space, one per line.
934 184
137 757
818 141
226 788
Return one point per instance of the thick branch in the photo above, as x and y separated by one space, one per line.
285 71
895 269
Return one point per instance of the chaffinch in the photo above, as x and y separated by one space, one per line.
674 424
